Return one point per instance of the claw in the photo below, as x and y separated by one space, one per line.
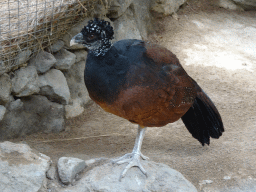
133 160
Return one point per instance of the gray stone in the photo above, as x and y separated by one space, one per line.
54 86
143 17
65 59
21 169
53 187
68 168
73 109
105 178
75 79
2 67
126 27
58 45
23 57
43 61
25 82
229 4
16 104
239 185
5 88
51 173
2 112
81 55
74 31
118 7
246 4
167 7
37 114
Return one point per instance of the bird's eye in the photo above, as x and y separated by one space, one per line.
91 37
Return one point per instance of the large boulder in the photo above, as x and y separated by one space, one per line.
25 82
5 88
31 114
21 168
105 178
54 86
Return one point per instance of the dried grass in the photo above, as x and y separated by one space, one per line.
36 24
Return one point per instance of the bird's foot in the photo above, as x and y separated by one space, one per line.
133 160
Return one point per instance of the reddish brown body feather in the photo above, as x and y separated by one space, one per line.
148 100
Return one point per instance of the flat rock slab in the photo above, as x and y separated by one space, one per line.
21 169
105 178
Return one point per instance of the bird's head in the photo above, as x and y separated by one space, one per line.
95 36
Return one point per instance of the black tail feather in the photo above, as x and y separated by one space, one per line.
203 119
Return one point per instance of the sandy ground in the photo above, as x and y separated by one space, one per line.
218 49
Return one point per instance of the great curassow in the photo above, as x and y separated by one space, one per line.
145 84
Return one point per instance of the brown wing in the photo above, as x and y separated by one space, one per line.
157 91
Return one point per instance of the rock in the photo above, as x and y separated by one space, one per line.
16 104
68 168
37 114
54 86
58 45
2 67
25 82
81 55
43 61
73 110
238 185
126 27
229 4
21 169
75 80
105 178
5 88
167 7
118 7
246 4
65 59
53 187
2 112
74 31
23 57
143 17
51 173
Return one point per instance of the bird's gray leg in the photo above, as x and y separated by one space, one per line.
133 159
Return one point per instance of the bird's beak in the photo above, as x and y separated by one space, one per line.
78 39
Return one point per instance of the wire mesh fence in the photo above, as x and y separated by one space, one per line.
27 26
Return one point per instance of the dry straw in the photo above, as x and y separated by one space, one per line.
27 26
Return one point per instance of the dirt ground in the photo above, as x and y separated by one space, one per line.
218 49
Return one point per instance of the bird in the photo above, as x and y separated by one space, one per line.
145 84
